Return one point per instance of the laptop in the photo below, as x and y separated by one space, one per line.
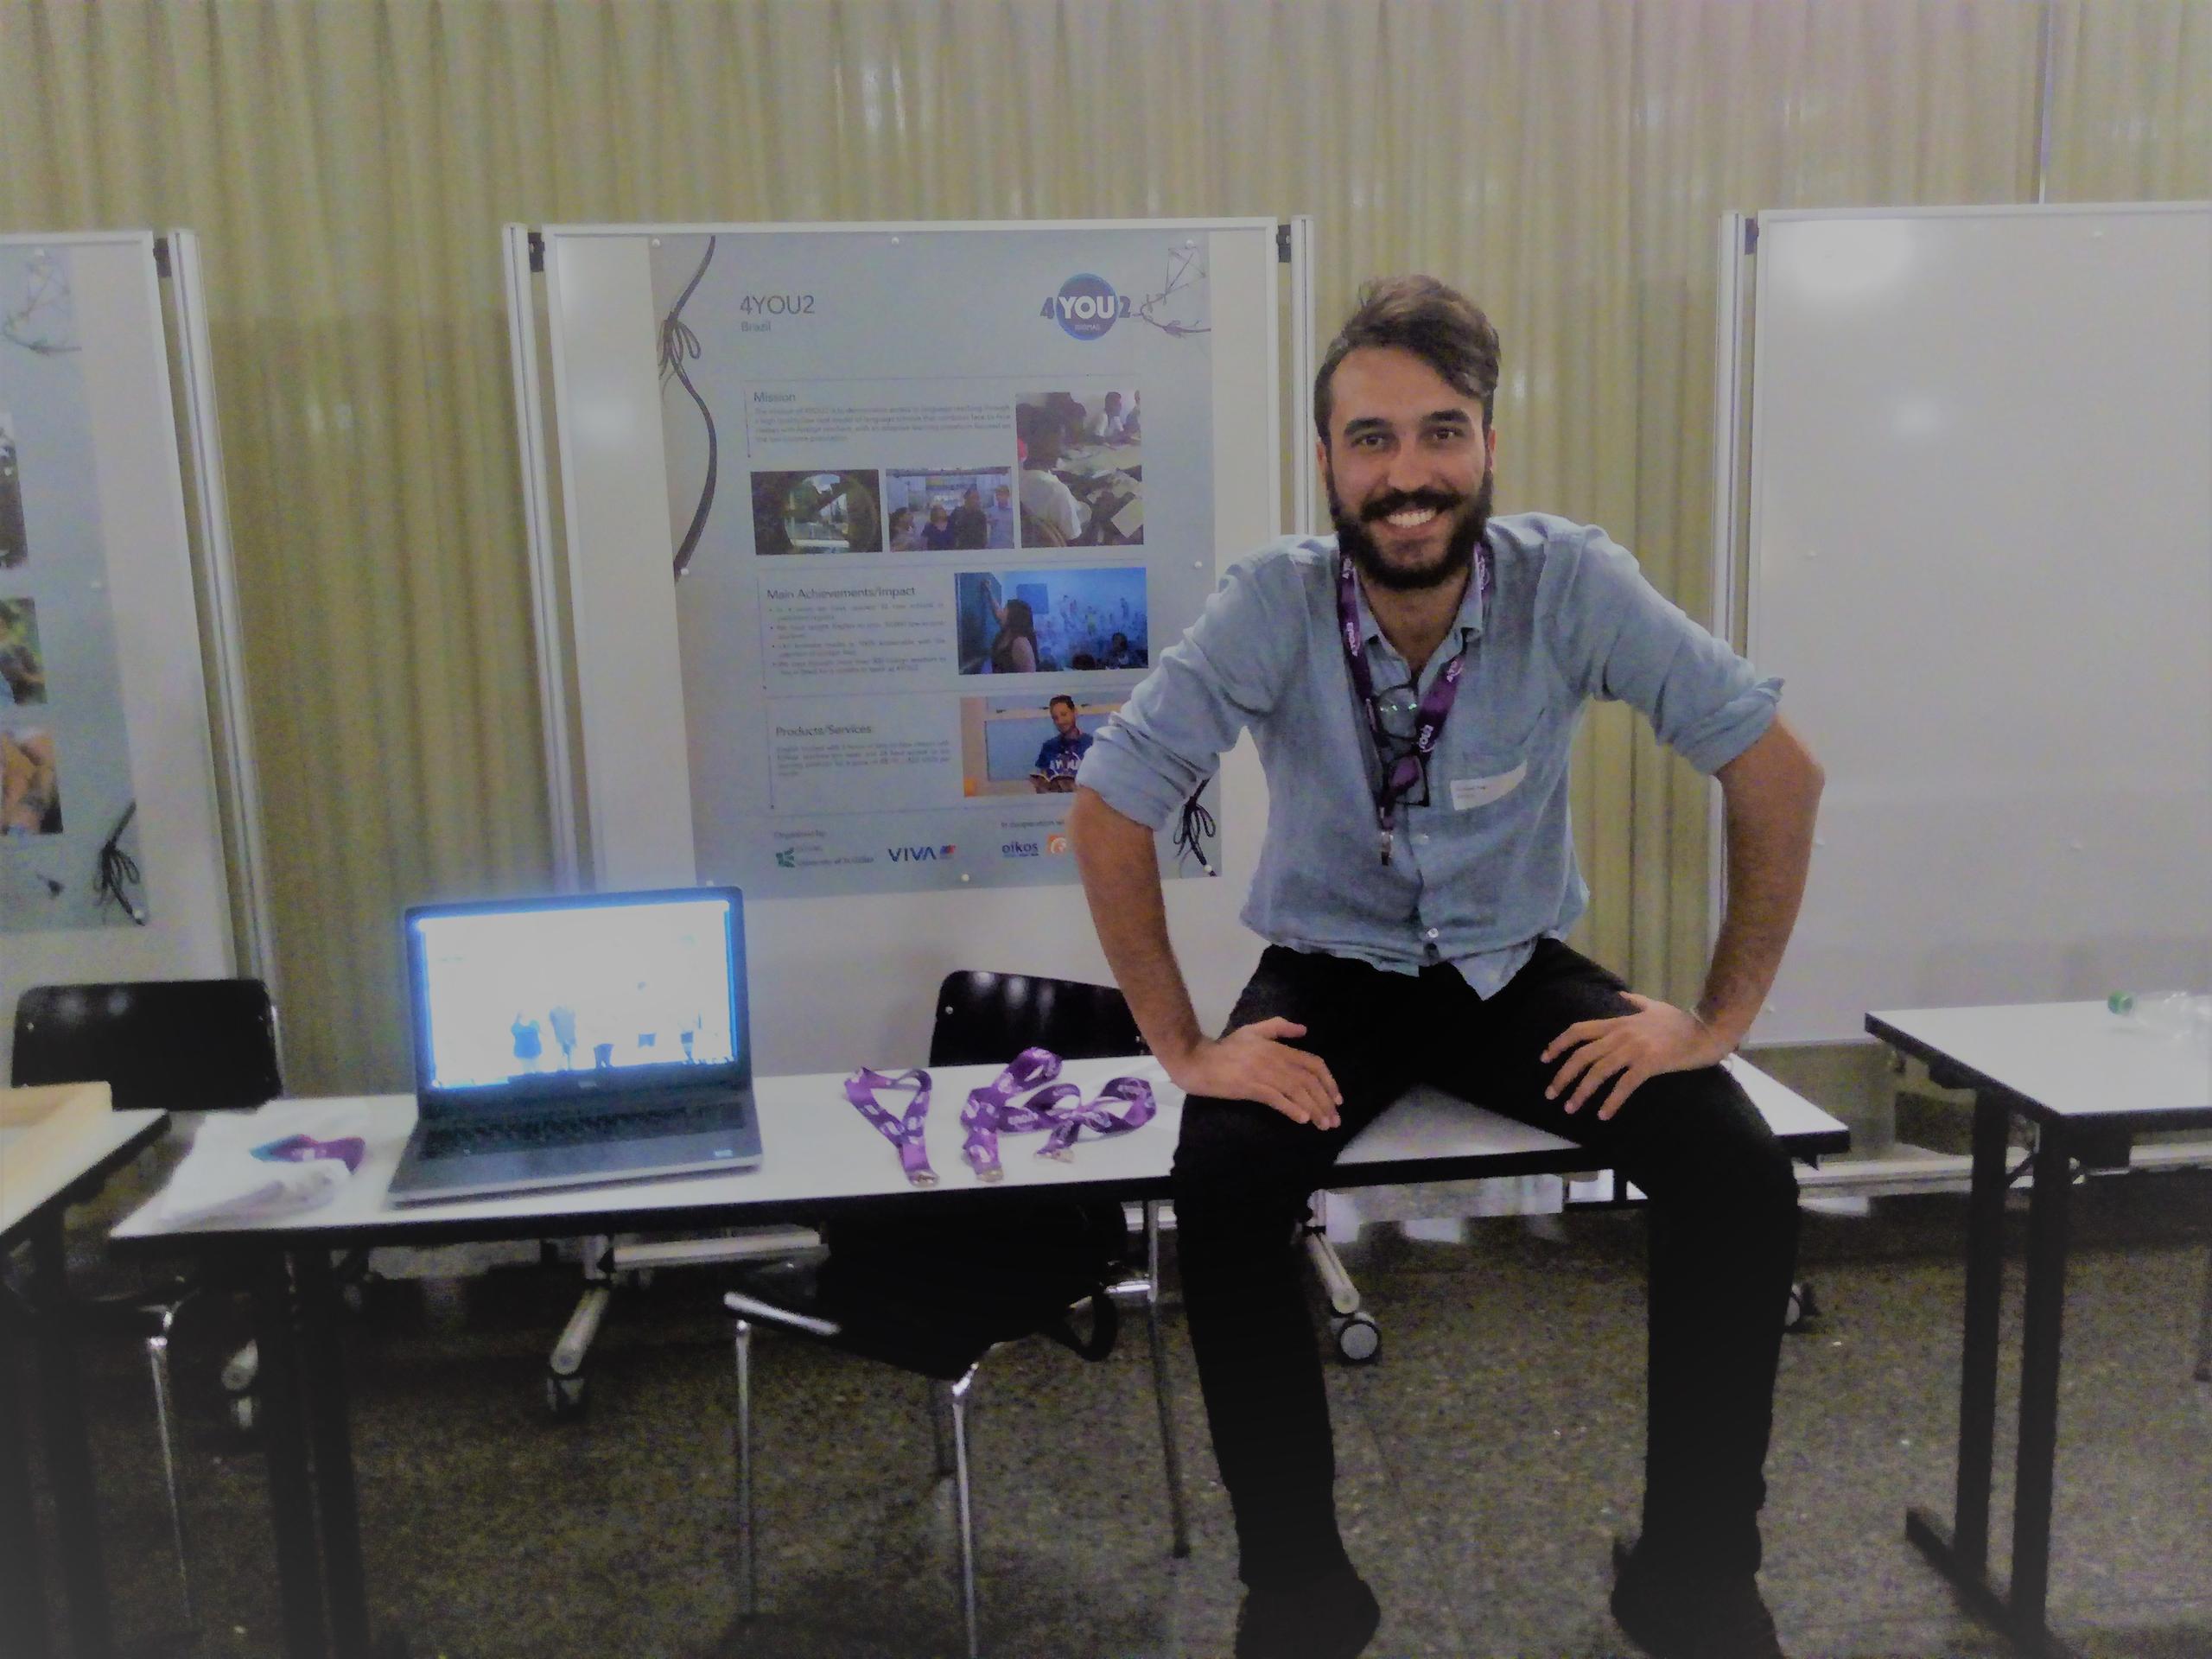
560 1042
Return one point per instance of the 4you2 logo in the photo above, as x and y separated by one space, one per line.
1086 306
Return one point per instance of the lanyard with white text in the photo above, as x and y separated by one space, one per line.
1060 1110
906 1133
1399 777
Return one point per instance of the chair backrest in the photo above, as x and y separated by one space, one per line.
987 1019
178 1045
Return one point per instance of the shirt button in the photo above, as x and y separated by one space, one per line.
1431 933
1421 840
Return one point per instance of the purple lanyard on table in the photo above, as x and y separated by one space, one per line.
1059 1109
1400 776
906 1133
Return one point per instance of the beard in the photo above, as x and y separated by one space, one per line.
1367 555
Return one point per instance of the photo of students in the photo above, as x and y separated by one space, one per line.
15 547
30 783
816 512
1051 621
962 509
1082 468
1013 746
22 665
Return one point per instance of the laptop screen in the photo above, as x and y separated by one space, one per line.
562 996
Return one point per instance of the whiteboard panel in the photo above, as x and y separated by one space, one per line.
838 980
120 349
1981 555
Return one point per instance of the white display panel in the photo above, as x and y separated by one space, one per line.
680 703
106 562
1980 556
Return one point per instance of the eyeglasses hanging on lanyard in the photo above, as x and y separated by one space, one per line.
1401 774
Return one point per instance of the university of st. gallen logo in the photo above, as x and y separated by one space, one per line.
787 858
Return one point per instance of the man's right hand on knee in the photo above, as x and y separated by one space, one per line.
1256 1063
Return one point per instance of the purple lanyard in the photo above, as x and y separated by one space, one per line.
1058 1108
906 1133
1399 777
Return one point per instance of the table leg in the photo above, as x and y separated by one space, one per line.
68 1453
2039 1359
22 1585
1977 1366
283 1424
345 1579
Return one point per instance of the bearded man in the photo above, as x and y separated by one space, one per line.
1413 684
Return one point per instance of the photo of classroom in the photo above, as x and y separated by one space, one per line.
957 510
1082 468
1027 746
22 664
817 512
15 545
1051 622
30 782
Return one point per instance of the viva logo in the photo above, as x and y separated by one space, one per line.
921 855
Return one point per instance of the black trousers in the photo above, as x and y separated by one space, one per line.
1722 1243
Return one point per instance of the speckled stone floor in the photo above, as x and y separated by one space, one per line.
1484 1463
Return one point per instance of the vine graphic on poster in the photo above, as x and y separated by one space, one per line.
40 317
679 343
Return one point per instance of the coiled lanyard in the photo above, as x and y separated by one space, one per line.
1059 1109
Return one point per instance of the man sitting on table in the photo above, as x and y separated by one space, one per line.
1413 684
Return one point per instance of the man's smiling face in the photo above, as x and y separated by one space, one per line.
1408 467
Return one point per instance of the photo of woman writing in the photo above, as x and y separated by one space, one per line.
1015 650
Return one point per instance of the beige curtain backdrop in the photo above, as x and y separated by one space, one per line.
348 164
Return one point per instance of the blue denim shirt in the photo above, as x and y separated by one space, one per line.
1486 866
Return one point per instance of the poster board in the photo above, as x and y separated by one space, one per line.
884 822
1980 553
112 858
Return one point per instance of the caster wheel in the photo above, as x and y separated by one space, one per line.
1359 1339
566 1397
244 1413
1800 1308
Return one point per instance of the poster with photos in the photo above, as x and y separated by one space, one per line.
69 852
962 457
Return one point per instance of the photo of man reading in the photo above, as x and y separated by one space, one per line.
1014 747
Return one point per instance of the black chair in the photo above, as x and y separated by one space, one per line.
982 1019
181 1045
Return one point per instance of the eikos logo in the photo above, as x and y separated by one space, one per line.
1086 306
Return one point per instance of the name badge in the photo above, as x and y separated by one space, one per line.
1470 792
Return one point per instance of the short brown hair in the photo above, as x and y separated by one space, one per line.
1439 325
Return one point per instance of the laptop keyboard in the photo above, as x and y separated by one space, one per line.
573 1129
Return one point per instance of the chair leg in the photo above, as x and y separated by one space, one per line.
1170 1455
2204 1327
157 1355
957 1398
747 1591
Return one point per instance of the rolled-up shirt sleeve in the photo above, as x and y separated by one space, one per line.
1617 636
1223 675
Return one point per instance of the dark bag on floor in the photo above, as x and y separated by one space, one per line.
934 1293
